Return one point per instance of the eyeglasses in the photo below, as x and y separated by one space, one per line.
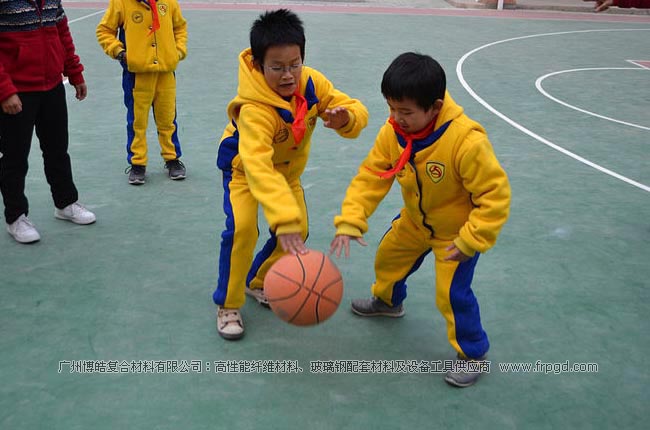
283 69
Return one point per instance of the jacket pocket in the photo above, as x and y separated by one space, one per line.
56 56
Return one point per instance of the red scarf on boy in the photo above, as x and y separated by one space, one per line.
155 25
406 154
298 126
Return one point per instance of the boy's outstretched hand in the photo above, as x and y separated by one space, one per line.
292 243
343 241
455 255
337 118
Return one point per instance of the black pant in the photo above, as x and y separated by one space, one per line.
48 113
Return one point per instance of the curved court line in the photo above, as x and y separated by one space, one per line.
459 73
538 85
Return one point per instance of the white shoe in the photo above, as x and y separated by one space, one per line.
229 323
23 230
75 213
258 294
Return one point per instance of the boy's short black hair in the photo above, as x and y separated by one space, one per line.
414 76
273 28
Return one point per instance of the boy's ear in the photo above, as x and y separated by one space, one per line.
257 64
437 105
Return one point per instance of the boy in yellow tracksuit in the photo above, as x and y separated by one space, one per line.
149 38
456 199
262 154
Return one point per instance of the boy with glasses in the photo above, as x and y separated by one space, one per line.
262 154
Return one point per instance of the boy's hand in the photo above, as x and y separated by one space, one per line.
292 243
343 241
601 5
12 105
455 255
82 91
337 118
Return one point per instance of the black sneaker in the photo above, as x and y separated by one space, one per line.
374 307
176 169
136 174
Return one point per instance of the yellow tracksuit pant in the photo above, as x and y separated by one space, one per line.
401 252
237 268
141 92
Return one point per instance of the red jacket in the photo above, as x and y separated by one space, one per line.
641 4
37 50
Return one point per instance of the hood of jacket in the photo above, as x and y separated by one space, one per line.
253 88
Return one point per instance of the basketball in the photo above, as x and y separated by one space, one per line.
304 289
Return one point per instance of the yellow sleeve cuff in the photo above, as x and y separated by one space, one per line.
348 230
288 229
463 247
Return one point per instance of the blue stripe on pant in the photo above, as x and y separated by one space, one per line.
128 83
219 295
262 256
469 333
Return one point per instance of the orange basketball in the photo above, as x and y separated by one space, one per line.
304 289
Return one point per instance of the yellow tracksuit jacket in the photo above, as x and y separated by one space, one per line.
454 190
261 165
148 77
157 52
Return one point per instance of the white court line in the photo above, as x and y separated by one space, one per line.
636 63
538 85
65 79
86 16
459 72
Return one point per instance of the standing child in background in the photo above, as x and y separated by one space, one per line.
36 49
456 199
152 40
263 153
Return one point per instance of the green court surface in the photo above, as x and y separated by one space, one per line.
566 285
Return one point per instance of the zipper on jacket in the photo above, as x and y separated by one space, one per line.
417 181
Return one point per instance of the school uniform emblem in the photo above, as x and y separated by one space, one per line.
137 17
435 171
281 136
162 9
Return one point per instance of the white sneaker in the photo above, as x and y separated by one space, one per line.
229 323
75 213
258 294
23 230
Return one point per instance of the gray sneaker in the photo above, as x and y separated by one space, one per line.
466 371
375 307
176 169
136 174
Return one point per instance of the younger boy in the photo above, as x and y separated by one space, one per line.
264 151
456 199
152 40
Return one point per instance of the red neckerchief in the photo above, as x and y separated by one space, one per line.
155 25
406 154
298 126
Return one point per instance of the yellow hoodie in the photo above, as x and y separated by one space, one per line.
453 187
259 142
